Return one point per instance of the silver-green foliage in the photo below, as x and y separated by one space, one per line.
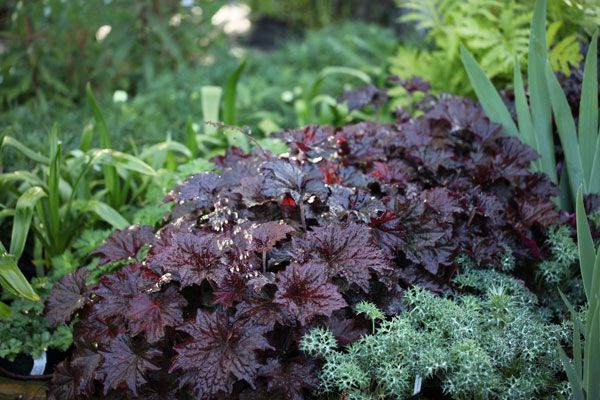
564 253
490 344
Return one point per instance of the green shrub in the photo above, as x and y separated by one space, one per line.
494 30
55 47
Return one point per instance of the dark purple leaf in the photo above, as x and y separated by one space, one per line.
152 312
68 295
304 291
345 250
219 351
124 244
126 366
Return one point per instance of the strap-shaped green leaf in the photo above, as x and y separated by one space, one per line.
541 110
107 213
230 94
577 330
118 159
22 219
591 369
487 94
585 243
574 381
12 279
9 141
588 111
566 132
211 99
526 129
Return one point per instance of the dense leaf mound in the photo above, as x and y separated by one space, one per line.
254 255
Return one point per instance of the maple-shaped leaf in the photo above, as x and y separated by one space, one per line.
68 295
289 379
298 181
265 236
230 290
199 189
260 310
85 360
345 250
152 312
126 366
116 290
313 140
190 257
347 330
65 383
217 351
305 291
417 233
394 172
124 244
357 204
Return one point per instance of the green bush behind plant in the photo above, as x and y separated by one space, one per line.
495 31
268 88
54 47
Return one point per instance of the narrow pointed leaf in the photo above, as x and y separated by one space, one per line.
585 244
541 110
577 357
108 214
588 110
571 375
26 151
230 94
488 96
526 128
566 131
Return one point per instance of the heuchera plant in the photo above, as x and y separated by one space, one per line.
258 253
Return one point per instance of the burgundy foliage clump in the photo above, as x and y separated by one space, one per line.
258 252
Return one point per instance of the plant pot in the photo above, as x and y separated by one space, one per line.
22 367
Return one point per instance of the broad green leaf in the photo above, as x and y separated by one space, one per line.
588 111
211 99
121 160
12 279
585 244
488 96
108 214
566 132
230 94
158 151
22 219
5 311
